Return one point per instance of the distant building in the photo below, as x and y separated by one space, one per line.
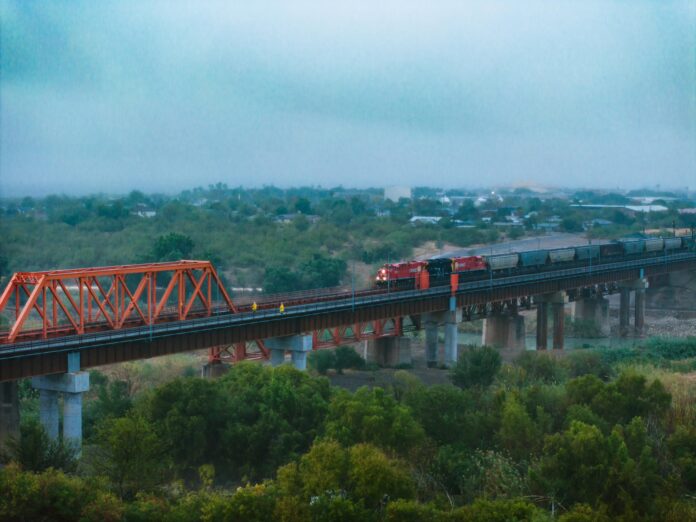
630 208
395 193
428 220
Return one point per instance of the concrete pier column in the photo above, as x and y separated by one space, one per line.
72 416
298 345
299 360
72 385
389 351
9 412
452 317
277 357
594 310
451 343
639 320
431 348
557 300
504 331
639 286
48 412
558 325
624 305
542 325
431 321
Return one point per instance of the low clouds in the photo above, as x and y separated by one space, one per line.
167 95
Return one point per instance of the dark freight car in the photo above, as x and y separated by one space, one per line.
633 247
534 258
585 252
611 249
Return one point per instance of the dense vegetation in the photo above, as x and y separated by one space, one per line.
582 438
284 239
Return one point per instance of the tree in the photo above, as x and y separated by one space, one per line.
361 473
303 206
35 451
518 435
173 247
189 417
581 465
476 367
347 357
322 361
375 417
273 413
131 455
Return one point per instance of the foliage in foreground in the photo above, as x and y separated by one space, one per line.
573 439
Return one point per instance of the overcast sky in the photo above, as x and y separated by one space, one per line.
162 96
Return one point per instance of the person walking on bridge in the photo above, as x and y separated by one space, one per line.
254 307
282 308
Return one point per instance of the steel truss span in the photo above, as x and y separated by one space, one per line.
190 326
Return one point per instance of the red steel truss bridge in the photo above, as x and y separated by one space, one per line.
121 313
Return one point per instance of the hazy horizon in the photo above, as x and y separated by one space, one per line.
166 96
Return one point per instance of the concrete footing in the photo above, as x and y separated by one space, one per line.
298 345
214 370
9 411
504 331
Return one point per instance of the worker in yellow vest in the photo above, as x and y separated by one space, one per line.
282 308
254 307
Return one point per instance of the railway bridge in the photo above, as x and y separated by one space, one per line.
63 322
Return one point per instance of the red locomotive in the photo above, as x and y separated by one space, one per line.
422 274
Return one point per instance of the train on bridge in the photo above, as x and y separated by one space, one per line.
438 271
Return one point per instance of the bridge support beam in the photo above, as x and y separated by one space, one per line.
504 331
593 310
72 385
388 351
298 345
9 412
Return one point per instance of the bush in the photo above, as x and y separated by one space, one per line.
476 367
322 361
347 357
541 367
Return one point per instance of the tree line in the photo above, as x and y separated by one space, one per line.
577 439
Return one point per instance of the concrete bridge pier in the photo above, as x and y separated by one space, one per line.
452 317
9 411
626 287
557 301
504 331
71 385
594 310
542 325
388 351
431 322
298 345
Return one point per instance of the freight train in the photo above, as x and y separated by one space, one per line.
437 271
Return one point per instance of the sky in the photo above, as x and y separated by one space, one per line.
163 96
